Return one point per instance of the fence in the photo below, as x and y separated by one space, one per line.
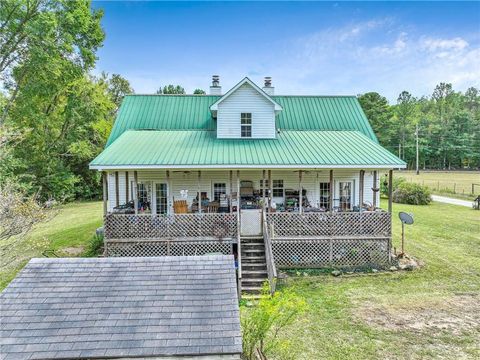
337 240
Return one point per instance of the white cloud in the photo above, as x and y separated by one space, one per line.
433 45
379 55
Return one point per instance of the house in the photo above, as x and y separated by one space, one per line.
279 181
122 308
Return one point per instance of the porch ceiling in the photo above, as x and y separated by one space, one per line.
201 149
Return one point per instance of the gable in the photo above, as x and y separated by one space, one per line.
241 83
246 99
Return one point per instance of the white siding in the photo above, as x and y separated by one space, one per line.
246 99
189 181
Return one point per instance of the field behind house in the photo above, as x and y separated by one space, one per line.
456 183
68 234
429 313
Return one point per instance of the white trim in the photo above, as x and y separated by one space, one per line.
230 167
214 106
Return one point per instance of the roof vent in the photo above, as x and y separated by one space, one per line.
215 89
268 88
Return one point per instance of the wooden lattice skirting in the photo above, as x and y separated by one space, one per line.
118 248
317 253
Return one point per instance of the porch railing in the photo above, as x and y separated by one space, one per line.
330 239
348 224
206 226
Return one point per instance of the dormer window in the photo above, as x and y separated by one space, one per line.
246 122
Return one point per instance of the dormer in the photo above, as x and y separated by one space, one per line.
246 112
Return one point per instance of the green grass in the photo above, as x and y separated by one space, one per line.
69 233
451 183
430 313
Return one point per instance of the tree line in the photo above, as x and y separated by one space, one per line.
448 124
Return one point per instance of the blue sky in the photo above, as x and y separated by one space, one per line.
307 47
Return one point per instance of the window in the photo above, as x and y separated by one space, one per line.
277 187
161 197
325 195
219 189
246 122
345 195
144 196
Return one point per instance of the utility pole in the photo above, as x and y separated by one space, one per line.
416 139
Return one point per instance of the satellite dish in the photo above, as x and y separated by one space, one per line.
406 218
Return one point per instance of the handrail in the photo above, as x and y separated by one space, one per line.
271 269
239 256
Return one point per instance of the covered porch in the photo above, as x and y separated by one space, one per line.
158 212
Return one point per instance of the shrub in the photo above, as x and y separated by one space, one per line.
384 185
411 193
262 324
95 246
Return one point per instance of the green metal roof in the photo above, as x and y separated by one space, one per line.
197 149
191 112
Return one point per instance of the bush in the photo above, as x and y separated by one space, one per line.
384 185
411 193
262 324
95 246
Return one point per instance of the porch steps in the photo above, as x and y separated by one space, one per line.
254 266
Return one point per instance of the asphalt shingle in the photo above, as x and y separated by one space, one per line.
84 308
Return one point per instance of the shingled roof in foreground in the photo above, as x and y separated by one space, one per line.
122 307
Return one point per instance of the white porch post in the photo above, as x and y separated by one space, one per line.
300 192
360 190
169 194
238 198
390 190
117 190
331 191
270 190
199 192
135 191
231 191
105 192
264 185
126 187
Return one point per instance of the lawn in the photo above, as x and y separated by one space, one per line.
430 313
456 183
68 234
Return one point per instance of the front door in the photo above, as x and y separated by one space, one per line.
251 222
161 198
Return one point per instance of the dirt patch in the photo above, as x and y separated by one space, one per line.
73 251
458 314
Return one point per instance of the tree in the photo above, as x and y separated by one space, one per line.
63 112
405 119
117 87
379 114
199 92
171 89
35 32
18 211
